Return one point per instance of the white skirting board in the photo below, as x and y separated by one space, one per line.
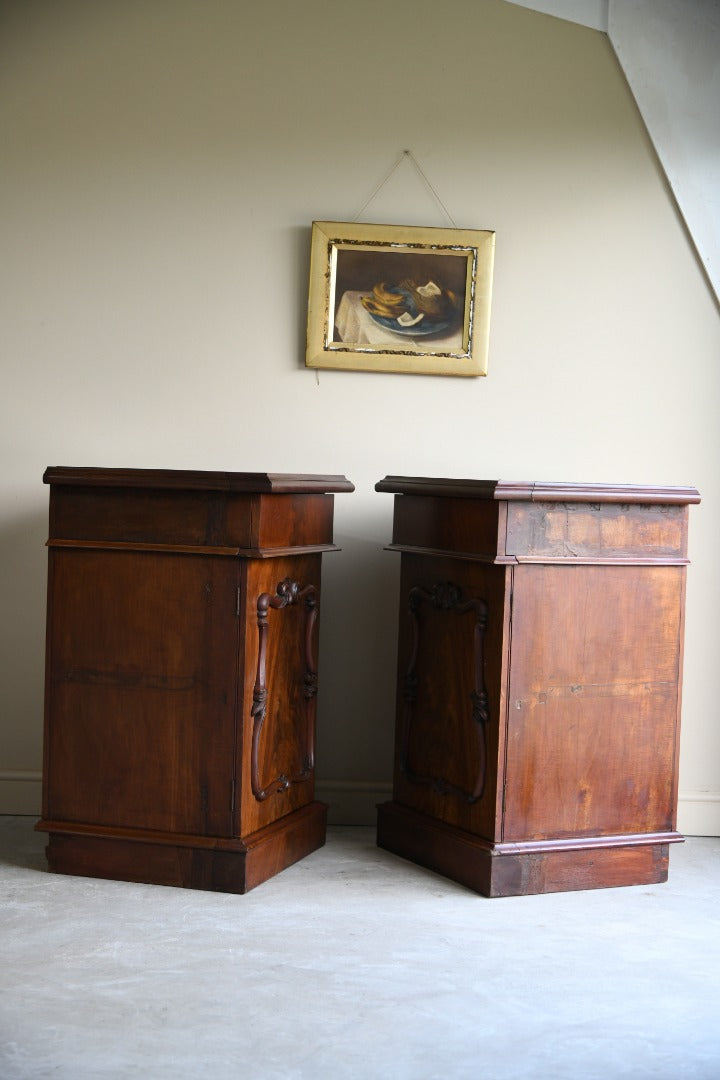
699 813
353 802
20 791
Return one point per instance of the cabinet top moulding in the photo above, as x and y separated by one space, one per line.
188 479
537 491
246 515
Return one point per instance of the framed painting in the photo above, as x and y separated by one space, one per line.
399 298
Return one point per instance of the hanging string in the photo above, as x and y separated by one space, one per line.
382 183
432 190
408 154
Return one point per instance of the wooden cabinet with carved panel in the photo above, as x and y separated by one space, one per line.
181 673
540 660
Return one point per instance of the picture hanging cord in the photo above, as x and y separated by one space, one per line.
411 157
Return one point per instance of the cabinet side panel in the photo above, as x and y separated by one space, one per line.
141 683
593 701
447 757
278 725
48 699
465 526
295 520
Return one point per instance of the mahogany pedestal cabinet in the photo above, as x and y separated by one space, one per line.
540 660
181 673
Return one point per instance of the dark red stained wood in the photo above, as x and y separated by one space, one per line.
462 526
191 480
152 657
511 490
497 870
290 521
437 734
593 700
239 524
584 587
142 690
284 742
234 866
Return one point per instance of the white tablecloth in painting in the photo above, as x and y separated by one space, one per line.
356 326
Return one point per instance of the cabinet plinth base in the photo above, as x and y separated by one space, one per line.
525 868
191 862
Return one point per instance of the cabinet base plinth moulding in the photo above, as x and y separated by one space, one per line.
191 862
522 870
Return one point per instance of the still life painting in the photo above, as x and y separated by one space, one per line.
399 298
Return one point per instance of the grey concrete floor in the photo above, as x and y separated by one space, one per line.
354 963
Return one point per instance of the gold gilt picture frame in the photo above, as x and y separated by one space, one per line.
399 298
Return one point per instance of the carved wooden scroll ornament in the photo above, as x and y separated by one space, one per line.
446 596
288 593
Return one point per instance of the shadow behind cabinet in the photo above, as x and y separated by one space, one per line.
540 660
181 673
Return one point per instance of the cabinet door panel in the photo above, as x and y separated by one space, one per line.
142 665
593 700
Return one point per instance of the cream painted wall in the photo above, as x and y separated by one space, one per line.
161 167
